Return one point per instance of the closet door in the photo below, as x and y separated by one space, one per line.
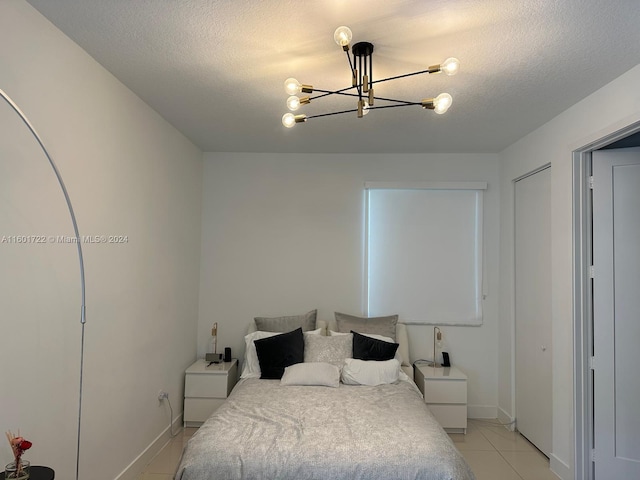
533 308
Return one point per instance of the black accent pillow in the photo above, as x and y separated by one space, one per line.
367 348
278 352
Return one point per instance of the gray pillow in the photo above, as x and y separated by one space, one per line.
286 324
385 326
333 350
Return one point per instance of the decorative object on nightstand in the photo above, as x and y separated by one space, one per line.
213 355
19 468
437 341
206 387
445 393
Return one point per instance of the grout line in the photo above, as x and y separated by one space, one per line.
501 455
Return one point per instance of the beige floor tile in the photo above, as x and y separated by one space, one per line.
490 466
164 465
186 434
473 440
504 440
530 465
167 460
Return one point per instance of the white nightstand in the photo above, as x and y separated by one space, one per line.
206 388
445 393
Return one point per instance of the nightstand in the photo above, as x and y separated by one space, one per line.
206 387
445 393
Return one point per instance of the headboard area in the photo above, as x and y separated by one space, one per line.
333 326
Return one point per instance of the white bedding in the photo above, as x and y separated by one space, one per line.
269 431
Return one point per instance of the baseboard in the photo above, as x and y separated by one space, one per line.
560 468
481 411
506 419
135 468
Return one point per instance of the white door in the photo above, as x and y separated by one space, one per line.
533 308
616 313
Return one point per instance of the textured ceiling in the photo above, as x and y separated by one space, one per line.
215 69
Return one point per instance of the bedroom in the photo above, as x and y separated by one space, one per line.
150 302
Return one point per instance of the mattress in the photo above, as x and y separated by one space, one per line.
269 431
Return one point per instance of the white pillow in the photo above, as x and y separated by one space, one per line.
251 366
312 373
363 372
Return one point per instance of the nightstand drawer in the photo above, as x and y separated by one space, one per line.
445 391
199 409
202 385
450 416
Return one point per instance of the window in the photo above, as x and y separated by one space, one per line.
424 251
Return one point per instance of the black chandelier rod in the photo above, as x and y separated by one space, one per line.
353 73
429 70
407 104
341 92
332 113
326 93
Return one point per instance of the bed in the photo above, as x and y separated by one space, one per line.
307 425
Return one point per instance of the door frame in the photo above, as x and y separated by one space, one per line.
583 298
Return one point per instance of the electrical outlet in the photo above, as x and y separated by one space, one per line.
162 395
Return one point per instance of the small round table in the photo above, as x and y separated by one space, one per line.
38 473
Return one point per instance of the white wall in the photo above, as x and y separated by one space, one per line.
283 234
608 110
129 173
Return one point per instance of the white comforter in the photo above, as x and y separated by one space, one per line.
268 431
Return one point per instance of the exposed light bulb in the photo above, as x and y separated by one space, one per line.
343 36
293 103
450 66
288 120
365 109
442 103
292 86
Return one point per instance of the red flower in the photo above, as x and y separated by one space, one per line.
24 445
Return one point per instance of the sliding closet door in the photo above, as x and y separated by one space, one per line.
533 308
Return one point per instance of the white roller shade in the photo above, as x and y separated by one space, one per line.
424 252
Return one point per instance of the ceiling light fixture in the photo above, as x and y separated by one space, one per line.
362 80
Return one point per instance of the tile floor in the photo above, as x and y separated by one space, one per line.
492 451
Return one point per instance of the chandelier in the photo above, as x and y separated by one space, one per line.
362 81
